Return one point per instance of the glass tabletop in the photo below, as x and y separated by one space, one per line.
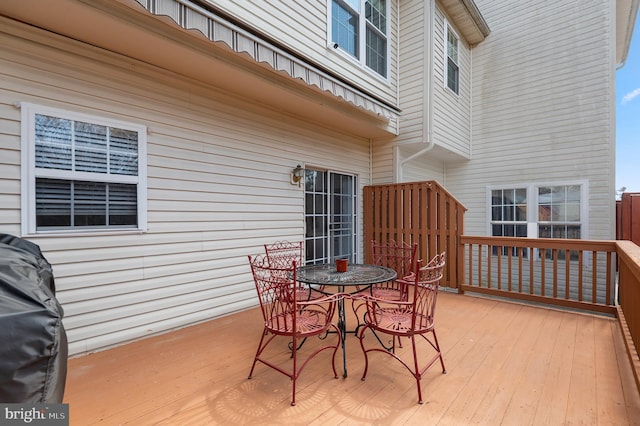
357 274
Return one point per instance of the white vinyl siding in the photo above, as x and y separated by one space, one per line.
451 111
302 27
544 113
415 74
218 189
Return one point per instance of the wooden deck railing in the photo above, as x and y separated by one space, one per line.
629 300
415 212
576 274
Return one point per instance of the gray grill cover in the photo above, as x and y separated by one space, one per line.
33 343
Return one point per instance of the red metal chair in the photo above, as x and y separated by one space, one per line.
411 318
398 256
285 315
281 254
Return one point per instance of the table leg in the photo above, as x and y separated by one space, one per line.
342 326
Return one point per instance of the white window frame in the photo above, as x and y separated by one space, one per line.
448 28
30 172
362 37
532 205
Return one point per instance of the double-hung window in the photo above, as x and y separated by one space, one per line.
509 213
81 172
559 211
452 66
358 26
538 211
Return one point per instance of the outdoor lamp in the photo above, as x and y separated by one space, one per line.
296 175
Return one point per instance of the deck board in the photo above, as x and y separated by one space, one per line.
507 363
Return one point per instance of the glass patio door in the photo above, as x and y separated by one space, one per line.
330 216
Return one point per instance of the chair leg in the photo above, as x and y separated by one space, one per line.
416 371
437 347
366 358
259 351
294 376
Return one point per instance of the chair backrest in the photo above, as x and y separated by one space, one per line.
282 253
425 291
275 285
396 255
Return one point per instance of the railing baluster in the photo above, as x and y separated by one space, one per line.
555 273
580 252
543 263
499 272
567 264
520 255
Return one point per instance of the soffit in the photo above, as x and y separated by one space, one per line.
626 13
468 19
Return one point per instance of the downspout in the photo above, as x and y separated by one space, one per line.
428 88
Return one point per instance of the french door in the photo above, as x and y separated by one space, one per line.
330 216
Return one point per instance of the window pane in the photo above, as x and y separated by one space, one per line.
452 46
53 203
544 231
345 28
90 204
521 231
557 213
123 152
508 213
573 231
90 148
375 11
573 193
452 76
520 196
496 197
123 202
376 52
53 142
573 212
496 213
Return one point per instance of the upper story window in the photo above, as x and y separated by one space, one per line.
81 172
452 66
359 26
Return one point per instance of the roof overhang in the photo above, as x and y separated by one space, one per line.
183 38
626 13
468 20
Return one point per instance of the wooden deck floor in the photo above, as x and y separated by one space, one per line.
507 363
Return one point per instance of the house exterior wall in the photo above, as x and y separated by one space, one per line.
451 112
302 26
543 107
218 188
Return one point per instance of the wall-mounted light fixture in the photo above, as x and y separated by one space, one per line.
297 175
